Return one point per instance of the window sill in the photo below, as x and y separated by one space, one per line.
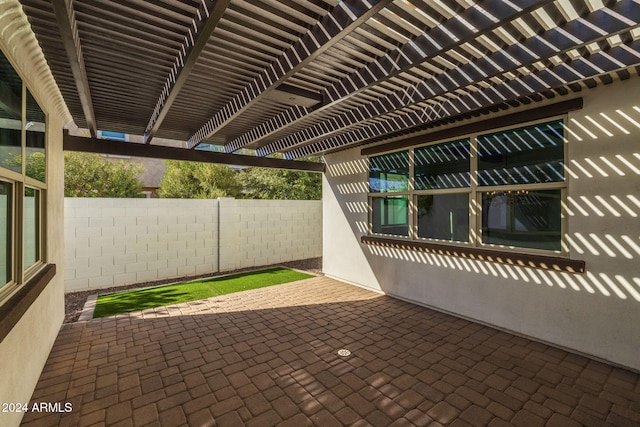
545 262
12 310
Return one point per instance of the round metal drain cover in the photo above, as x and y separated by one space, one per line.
344 352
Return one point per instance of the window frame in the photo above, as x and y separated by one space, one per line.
19 182
387 196
7 288
475 194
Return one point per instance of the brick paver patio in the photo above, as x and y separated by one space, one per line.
269 357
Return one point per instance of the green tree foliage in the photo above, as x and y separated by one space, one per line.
91 175
36 166
194 180
267 183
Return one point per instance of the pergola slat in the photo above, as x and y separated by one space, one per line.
596 65
209 14
484 17
341 21
68 27
509 59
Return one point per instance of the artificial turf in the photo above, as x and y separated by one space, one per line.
124 302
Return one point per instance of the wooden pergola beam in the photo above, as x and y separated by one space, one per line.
68 27
101 146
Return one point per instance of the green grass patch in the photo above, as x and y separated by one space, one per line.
124 302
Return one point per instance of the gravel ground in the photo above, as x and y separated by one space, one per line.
74 301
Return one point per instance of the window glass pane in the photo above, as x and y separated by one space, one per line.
10 117
389 172
444 165
31 227
527 155
5 232
35 126
390 215
444 217
526 219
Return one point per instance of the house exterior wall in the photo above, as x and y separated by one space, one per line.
596 313
122 241
24 350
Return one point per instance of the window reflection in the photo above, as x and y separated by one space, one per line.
31 226
389 172
444 217
526 219
523 165
444 165
527 155
10 117
6 196
390 215
35 126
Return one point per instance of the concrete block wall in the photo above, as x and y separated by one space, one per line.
260 232
112 242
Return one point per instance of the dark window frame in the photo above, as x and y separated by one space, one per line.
475 192
23 278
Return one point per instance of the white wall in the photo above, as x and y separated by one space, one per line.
596 313
261 232
122 241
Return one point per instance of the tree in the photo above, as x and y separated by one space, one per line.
195 180
91 175
88 175
35 166
267 183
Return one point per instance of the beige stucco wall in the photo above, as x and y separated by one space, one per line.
596 313
24 351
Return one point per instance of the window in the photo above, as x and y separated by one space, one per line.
527 155
389 177
444 165
31 227
444 216
390 215
113 136
389 173
22 181
496 189
6 231
35 140
522 218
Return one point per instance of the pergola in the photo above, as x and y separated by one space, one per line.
479 158
240 80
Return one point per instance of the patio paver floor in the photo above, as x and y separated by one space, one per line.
269 357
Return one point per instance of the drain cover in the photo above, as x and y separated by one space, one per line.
344 352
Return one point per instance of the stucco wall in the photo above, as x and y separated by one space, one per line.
24 351
596 313
121 241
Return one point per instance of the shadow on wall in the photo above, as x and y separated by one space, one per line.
602 210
